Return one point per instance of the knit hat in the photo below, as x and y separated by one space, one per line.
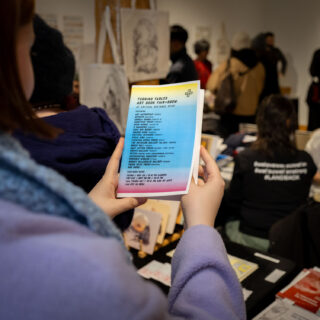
240 40
53 65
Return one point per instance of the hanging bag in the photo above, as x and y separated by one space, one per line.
226 99
313 96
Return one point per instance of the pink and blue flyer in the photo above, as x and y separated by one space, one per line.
161 136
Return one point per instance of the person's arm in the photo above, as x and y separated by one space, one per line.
204 286
175 72
216 77
200 267
283 61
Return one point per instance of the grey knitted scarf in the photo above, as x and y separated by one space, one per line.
42 190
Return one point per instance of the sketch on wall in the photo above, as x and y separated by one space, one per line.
106 86
145 42
223 45
73 32
203 33
51 19
146 48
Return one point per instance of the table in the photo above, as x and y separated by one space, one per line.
263 292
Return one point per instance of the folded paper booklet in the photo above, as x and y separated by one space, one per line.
162 141
243 268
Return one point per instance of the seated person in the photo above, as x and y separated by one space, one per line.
271 178
82 151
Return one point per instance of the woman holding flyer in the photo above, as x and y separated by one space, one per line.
61 255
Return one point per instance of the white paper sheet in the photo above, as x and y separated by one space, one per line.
145 43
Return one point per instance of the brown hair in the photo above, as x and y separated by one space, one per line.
16 112
277 122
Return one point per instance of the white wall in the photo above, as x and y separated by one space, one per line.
297 27
211 13
84 8
296 24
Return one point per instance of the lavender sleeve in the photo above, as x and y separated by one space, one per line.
204 286
53 268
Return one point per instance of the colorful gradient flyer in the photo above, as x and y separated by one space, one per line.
162 140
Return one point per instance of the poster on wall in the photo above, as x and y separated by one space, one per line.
73 32
51 19
72 27
145 43
203 33
223 45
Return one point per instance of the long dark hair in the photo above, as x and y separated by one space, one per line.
15 110
277 122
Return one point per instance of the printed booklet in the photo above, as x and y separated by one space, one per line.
243 268
162 140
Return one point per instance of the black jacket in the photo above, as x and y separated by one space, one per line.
182 68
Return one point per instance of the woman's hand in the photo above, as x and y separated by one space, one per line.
201 204
104 193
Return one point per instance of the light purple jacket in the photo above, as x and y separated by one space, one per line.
52 269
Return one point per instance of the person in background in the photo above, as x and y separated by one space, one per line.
270 57
202 64
271 178
48 258
248 77
313 98
278 55
83 149
182 68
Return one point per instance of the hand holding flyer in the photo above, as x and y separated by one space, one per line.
162 141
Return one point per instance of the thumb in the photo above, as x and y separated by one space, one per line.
129 203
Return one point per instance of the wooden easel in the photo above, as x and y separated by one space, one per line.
99 9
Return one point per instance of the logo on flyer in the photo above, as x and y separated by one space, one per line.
188 93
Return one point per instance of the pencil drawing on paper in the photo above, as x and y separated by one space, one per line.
111 99
145 42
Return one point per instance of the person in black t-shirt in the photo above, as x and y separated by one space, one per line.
271 178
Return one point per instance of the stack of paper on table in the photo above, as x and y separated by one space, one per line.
158 271
162 140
